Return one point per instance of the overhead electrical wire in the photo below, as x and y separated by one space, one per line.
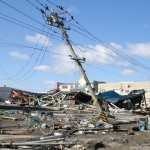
111 61
12 77
31 56
34 51
26 15
121 54
91 37
115 56
9 43
95 40
35 7
125 56
45 7
52 3
21 13
102 69
19 79
43 47
12 44
27 26
34 71
3 71
22 68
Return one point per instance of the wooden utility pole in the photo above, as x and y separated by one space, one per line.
55 20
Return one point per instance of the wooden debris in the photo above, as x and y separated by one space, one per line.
14 132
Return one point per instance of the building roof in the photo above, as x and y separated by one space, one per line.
5 93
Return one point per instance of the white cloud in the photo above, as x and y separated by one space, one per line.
128 72
146 25
116 46
19 55
123 63
72 9
42 68
95 55
140 49
62 65
50 84
38 38
65 65
98 54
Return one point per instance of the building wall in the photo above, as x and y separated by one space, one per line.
64 87
67 87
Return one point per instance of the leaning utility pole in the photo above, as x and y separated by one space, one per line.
55 20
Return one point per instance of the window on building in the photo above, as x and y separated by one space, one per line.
64 87
126 91
76 85
102 91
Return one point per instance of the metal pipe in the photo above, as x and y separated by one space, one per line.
32 144
48 140
51 137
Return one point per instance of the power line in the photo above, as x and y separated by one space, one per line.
122 54
109 60
27 26
12 77
26 15
20 12
35 48
103 69
91 37
33 65
26 46
36 7
31 56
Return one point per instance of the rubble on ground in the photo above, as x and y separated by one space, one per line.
75 124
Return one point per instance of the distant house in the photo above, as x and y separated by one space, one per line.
5 93
67 87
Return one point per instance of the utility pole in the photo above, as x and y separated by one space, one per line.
55 20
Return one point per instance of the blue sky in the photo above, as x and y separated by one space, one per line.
34 57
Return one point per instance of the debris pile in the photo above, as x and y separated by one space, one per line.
70 121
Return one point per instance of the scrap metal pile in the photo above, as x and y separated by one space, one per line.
69 121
